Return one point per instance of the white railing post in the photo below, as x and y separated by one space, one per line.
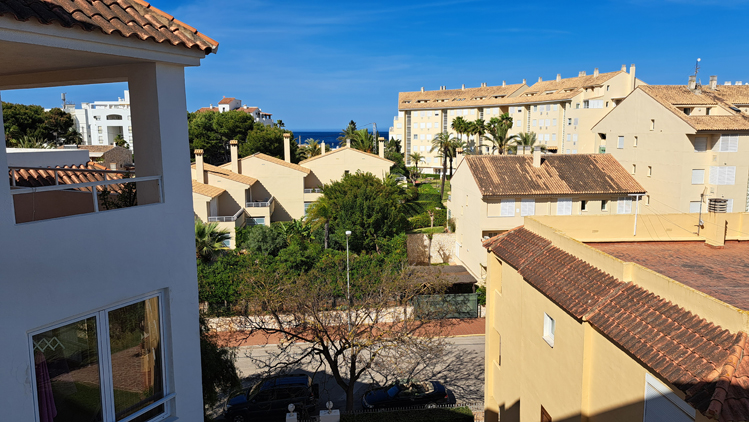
57 178
14 178
96 200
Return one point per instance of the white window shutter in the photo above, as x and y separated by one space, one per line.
624 206
620 145
729 206
722 175
730 175
527 207
714 175
700 144
564 206
698 176
733 143
718 145
507 208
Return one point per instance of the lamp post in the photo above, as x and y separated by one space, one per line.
348 282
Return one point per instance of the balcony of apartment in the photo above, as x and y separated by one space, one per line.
312 193
260 210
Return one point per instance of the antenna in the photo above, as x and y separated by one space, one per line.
697 67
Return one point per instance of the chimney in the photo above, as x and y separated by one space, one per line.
632 77
287 147
381 146
583 73
540 79
559 77
113 166
422 89
348 143
715 232
713 82
524 82
234 147
595 72
738 83
692 84
322 148
464 87
537 157
199 168
504 83
727 83
624 68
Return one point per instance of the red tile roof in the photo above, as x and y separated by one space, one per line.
567 174
32 178
227 100
128 18
721 273
699 358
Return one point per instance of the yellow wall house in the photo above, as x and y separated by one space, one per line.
491 194
684 144
633 330
560 111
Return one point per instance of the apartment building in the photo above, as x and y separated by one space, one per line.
494 193
588 322
100 122
684 144
231 104
560 111
260 189
98 293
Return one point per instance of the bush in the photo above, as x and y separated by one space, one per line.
481 292
424 220
457 414
261 239
218 281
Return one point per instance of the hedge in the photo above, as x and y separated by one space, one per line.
456 414
423 219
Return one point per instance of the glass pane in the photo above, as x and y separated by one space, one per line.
135 343
66 362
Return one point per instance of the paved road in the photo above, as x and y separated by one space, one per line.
460 368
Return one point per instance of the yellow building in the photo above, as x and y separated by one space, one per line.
560 111
684 144
587 321
491 194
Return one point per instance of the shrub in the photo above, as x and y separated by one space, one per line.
423 219
481 292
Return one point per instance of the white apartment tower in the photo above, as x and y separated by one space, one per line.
100 122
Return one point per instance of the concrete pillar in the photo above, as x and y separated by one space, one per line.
287 147
632 77
537 157
7 215
322 148
234 147
199 168
559 77
348 143
381 147
595 72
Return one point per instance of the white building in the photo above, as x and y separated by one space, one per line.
100 122
100 307
231 104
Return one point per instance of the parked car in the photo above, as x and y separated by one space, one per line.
404 394
269 399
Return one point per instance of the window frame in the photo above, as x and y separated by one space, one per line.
101 315
550 326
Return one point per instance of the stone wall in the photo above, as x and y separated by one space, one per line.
443 248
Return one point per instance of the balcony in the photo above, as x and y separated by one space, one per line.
260 204
43 193
227 219
314 190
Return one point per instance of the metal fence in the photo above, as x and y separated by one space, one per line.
464 305
476 407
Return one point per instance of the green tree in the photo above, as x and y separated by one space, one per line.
442 143
121 142
264 240
279 123
460 126
318 217
209 240
370 209
526 139
269 140
416 158
348 132
363 140
393 153
478 128
59 127
54 126
211 131
454 148
28 142
310 149
498 134
217 365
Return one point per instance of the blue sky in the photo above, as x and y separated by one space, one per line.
317 65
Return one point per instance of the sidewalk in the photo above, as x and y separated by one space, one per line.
463 327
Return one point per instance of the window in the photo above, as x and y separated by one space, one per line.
634 168
416 138
549 327
101 130
661 404
624 206
256 221
507 208
423 137
707 111
729 205
553 136
569 122
534 122
577 105
555 107
652 124
564 206
574 139
695 206
429 125
647 199
604 205
346 172
583 206
635 143
620 144
687 111
545 417
553 122
650 171
586 104
422 125
535 108
547 122
546 137
576 121
700 144
306 205
722 175
727 143
422 148
115 353
527 207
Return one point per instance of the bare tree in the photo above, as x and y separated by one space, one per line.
318 326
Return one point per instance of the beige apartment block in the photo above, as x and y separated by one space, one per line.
560 111
588 322
494 193
684 144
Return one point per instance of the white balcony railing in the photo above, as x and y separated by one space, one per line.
259 204
226 219
315 190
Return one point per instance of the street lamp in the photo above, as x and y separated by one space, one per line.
348 282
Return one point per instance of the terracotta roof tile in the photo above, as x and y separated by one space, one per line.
454 98
275 160
317 157
129 18
567 174
708 363
206 190
228 174
725 97
33 178
226 100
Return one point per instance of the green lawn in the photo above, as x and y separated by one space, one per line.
427 230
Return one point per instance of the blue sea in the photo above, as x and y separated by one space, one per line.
330 138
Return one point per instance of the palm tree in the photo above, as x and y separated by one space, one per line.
441 143
312 148
318 215
499 138
30 142
348 133
209 241
505 120
279 123
526 139
459 125
416 158
456 146
363 141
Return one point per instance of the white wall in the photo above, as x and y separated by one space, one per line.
27 157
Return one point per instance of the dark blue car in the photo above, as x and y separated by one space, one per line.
270 398
406 394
